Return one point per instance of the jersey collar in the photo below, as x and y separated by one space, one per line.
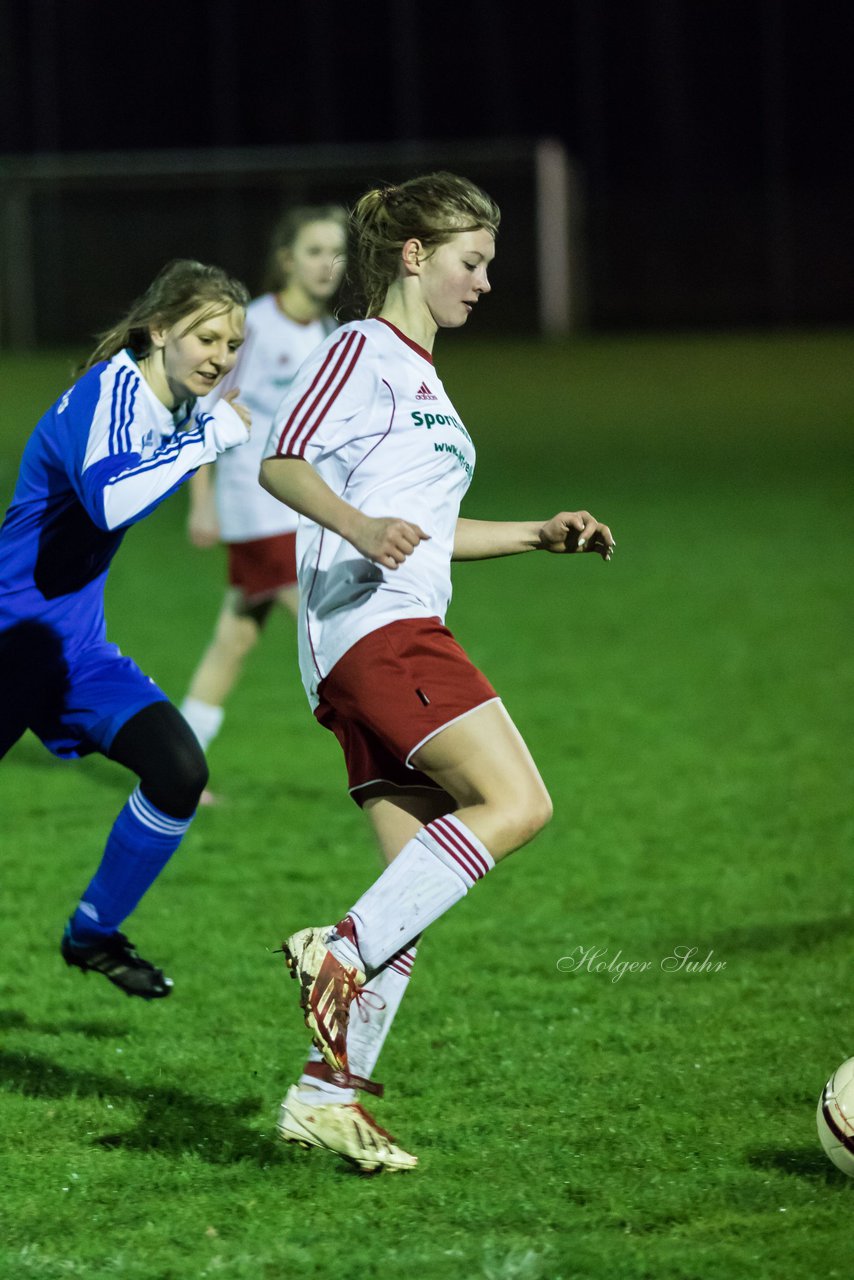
171 419
425 355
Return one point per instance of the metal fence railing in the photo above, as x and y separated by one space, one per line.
82 234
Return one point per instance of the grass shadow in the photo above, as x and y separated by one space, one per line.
171 1122
804 935
800 1162
16 1020
29 753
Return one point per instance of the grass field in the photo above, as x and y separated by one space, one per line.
689 705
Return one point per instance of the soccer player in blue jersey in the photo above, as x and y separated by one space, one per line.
119 441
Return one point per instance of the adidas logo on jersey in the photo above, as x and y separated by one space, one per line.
424 393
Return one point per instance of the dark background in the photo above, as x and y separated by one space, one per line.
711 137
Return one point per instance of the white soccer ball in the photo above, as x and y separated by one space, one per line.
835 1118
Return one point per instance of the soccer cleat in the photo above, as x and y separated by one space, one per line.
345 1128
327 989
115 956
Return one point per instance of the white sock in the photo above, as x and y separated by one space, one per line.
366 1034
203 718
432 872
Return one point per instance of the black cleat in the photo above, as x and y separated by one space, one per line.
116 957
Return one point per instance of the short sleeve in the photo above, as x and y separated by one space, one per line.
333 385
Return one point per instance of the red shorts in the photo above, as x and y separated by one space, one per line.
394 689
263 566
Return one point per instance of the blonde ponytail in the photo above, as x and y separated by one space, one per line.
432 208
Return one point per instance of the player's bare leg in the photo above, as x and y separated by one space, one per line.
288 599
235 636
397 818
483 762
238 629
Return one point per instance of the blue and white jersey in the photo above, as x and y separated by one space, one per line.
101 458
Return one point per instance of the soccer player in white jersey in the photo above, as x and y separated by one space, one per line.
283 326
119 441
372 453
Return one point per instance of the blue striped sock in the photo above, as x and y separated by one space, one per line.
140 844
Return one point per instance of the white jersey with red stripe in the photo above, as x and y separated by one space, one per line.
273 351
369 413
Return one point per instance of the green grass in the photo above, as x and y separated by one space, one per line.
689 705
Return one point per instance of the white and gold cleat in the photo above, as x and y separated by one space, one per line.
327 989
345 1128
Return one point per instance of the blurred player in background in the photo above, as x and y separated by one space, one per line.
120 440
283 326
369 448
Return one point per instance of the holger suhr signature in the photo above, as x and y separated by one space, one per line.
681 959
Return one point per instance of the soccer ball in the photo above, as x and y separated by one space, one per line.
835 1118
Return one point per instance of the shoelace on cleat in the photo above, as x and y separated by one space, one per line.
366 1115
364 1005
121 948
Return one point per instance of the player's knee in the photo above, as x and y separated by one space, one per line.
191 782
536 814
176 786
524 815
543 811
244 641
234 646
237 631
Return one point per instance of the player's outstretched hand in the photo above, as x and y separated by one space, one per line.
571 531
388 541
240 409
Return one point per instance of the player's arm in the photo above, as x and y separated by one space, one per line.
119 488
565 533
385 540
